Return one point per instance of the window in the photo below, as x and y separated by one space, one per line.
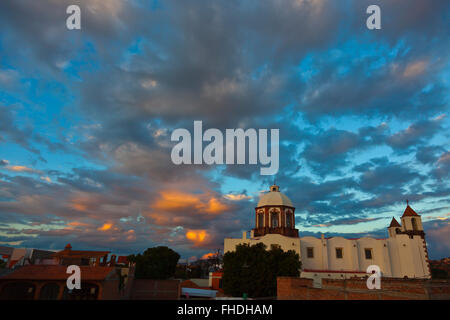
310 252
368 253
274 216
260 220
339 253
289 219
414 223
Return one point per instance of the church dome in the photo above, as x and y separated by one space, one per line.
274 198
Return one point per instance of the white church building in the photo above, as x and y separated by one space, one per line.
402 254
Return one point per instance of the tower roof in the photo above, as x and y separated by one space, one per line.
409 212
274 198
394 223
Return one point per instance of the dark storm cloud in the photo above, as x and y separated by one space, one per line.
329 150
442 167
406 18
416 134
428 154
355 219
387 177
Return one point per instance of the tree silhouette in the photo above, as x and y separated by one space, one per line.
254 270
155 263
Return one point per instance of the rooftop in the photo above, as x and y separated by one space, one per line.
56 272
409 212
394 223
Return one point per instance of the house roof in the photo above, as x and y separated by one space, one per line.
68 252
80 253
56 272
394 223
409 212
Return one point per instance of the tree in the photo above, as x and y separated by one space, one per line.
254 270
155 263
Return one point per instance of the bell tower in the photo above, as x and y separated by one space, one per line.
412 222
275 214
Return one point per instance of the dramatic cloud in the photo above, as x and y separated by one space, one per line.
86 118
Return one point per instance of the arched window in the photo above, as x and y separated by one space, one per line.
260 220
414 223
49 292
289 219
274 219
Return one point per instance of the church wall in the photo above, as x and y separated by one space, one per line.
378 257
408 257
286 243
231 243
396 257
344 263
420 256
318 261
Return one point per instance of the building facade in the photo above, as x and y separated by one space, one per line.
402 254
44 277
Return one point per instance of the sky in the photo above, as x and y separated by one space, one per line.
86 118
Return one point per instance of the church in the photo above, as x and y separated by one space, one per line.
402 254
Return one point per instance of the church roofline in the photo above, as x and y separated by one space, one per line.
409 212
274 205
394 223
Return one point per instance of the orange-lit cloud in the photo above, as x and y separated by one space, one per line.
17 168
46 179
105 227
176 200
20 169
215 206
236 197
414 69
131 235
77 224
78 206
197 236
207 256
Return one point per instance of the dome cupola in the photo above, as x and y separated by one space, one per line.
275 214
274 198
